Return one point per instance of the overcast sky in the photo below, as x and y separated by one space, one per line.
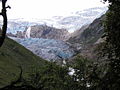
47 8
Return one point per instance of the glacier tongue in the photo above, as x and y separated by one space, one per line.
48 49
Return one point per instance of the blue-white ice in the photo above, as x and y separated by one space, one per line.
13 26
49 49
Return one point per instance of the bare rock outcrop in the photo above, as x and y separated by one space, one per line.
47 32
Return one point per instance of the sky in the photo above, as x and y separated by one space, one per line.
42 9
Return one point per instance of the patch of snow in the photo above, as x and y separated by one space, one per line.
88 85
27 34
64 62
72 71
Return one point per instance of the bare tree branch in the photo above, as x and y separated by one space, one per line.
4 27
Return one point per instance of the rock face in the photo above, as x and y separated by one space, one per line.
44 31
48 49
91 34
90 38
78 32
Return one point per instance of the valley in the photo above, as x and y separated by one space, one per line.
60 45
52 38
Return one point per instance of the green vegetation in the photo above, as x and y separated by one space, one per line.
112 46
37 73
20 69
13 55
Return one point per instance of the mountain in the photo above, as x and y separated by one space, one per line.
44 31
51 49
79 18
13 56
78 32
71 22
75 20
90 34
43 37
90 37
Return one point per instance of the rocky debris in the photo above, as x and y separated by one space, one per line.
20 34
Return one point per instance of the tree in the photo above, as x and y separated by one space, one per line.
112 46
4 15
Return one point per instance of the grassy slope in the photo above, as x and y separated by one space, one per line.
13 55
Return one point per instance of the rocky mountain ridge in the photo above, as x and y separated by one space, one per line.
90 34
90 38
42 31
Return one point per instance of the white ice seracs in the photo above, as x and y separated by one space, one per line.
27 34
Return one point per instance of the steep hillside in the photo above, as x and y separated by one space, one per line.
91 34
13 56
87 40
78 32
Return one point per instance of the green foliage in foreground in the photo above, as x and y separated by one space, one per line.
112 46
12 56
39 74
52 77
36 72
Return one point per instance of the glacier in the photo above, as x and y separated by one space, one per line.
48 49
73 21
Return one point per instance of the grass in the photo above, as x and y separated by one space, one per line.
13 55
